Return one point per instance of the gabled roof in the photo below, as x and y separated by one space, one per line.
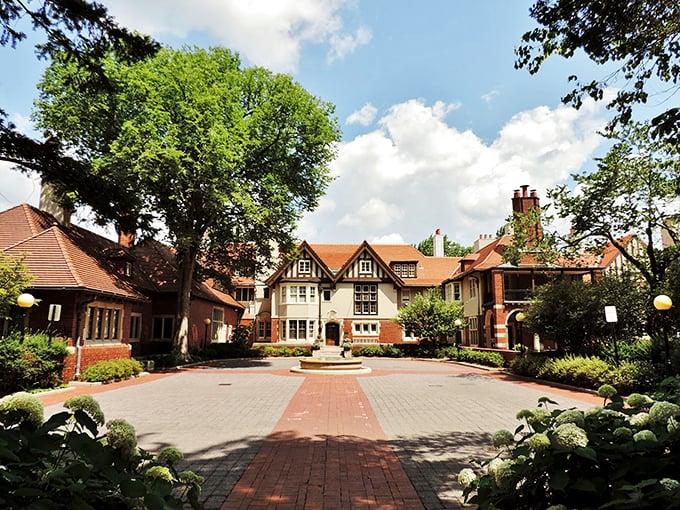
335 258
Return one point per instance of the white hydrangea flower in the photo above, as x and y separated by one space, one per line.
466 477
569 436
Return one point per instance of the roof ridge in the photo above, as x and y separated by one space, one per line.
61 239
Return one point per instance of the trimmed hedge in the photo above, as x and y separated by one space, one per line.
111 370
491 359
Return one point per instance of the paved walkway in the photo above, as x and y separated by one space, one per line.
264 437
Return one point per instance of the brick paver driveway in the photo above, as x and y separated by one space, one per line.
264 437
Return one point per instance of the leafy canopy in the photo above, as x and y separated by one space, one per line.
451 248
634 191
429 316
14 278
221 157
639 38
81 32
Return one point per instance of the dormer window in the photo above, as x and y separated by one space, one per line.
365 266
405 269
304 266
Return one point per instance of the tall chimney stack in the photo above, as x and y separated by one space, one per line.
438 244
523 203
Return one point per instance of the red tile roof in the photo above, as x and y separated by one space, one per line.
55 257
430 271
70 257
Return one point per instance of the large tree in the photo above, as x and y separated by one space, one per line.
633 191
638 39
430 316
571 312
80 31
218 155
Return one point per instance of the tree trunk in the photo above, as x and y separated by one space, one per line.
187 261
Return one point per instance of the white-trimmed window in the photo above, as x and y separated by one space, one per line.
217 326
298 329
473 330
473 287
366 299
326 295
103 323
291 294
405 269
365 266
456 291
163 327
135 327
405 297
304 266
264 329
367 328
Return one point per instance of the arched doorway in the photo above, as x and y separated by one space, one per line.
332 333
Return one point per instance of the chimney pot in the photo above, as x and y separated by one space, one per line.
524 187
516 193
532 193
437 232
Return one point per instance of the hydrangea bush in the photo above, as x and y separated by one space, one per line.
619 455
65 462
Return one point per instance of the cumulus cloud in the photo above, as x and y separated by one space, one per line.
364 116
416 172
270 33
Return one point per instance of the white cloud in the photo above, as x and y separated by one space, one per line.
364 116
415 172
393 238
345 44
270 33
490 96
375 212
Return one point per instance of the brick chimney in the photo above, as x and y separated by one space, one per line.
49 202
524 202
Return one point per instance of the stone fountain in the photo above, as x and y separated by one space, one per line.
329 360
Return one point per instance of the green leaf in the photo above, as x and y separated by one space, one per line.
559 480
132 488
586 452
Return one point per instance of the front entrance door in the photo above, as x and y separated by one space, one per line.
332 334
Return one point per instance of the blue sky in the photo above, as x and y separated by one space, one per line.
438 126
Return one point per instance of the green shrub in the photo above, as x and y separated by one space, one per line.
34 363
529 365
66 463
369 351
615 456
582 371
111 370
168 360
491 359
302 351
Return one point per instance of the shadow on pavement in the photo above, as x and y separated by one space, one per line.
296 472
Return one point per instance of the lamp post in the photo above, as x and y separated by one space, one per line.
207 322
25 302
520 319
458 325
663 303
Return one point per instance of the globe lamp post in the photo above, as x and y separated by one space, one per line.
25 302
520 319
207 322
458 324
664 303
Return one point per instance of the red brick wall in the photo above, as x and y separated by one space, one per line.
390 333
91 354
